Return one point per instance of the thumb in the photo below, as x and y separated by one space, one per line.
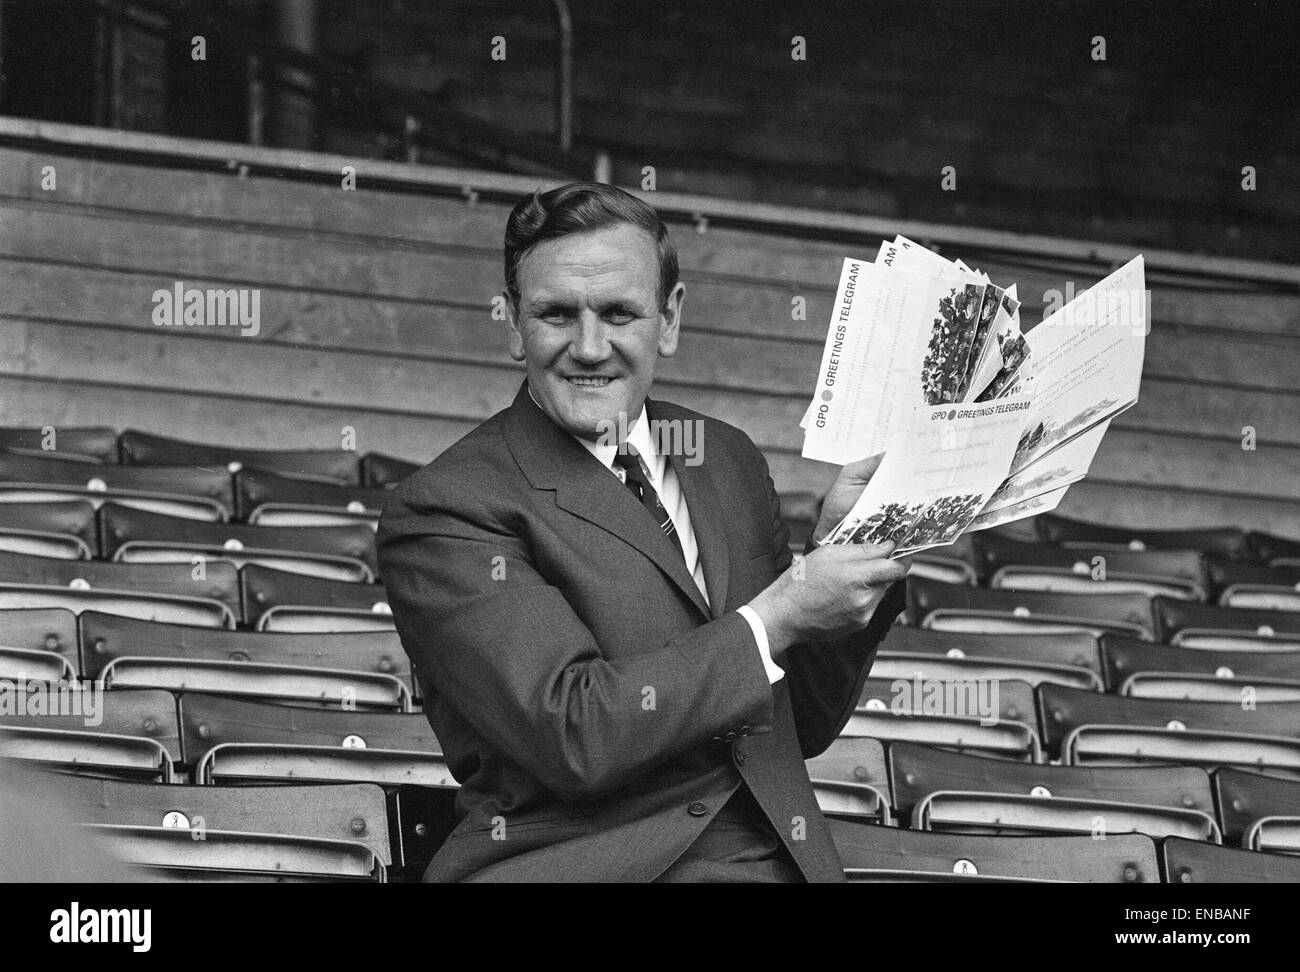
861 470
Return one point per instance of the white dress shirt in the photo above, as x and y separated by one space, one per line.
664 480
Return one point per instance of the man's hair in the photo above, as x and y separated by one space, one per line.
577 207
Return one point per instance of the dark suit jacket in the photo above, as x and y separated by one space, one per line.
595 709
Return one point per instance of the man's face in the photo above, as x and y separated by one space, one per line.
589 325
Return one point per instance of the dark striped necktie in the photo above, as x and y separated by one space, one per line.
638 481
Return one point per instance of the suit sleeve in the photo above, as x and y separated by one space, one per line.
506 650
825 678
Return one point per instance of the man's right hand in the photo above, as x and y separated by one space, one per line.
831 593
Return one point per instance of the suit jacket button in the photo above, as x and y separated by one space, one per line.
744 730
729 737
697 809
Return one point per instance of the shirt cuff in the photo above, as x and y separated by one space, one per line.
774 671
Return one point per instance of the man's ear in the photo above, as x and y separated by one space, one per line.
515 336
672 321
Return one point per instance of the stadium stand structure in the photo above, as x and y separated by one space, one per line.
1018 700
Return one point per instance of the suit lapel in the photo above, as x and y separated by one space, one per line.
552 460
706 523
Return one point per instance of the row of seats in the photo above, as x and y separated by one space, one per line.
207 593
1270 579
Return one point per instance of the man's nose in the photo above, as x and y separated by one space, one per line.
590 344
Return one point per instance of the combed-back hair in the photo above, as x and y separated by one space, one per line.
577 207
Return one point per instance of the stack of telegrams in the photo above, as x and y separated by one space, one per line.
980 424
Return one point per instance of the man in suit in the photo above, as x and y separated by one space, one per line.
595 588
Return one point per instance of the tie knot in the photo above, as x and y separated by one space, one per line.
629 460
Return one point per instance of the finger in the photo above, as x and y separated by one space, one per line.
861 470
878 573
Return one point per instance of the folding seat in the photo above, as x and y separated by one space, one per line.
236 740
1274 550
420 818
954 563
183 491
1193 862
65 529
327 465
384 471
35 665
1226 629
892 854
1228 543
1255 586
1090 728
340 811
267 499
1244 798
86 443
949 607
107 637
277 600
168 854
942 790
130 733
850 779
960 715
1012 565
49 629
1069 658
1147 670
337 553
156 592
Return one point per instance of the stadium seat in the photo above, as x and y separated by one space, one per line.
1229 543
267 499
277 600
105 637
172 854
1155 800
949 654
419 818
1275 551
1255 586
1124 658
949 607
35 666
384 471
849 779
953 563
1244 797
1070 649
128 732
1089 728
156 592
888 714
1193 862
1012 565
183 491
237 740
327 465
892 854
49 629
1226 629
65 529
85 443
1274 835
286 683
342 811
335 552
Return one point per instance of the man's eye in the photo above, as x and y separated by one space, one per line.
620 316
554 317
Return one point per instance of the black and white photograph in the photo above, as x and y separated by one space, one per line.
521 442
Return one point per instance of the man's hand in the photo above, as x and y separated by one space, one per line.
848 486
831 593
